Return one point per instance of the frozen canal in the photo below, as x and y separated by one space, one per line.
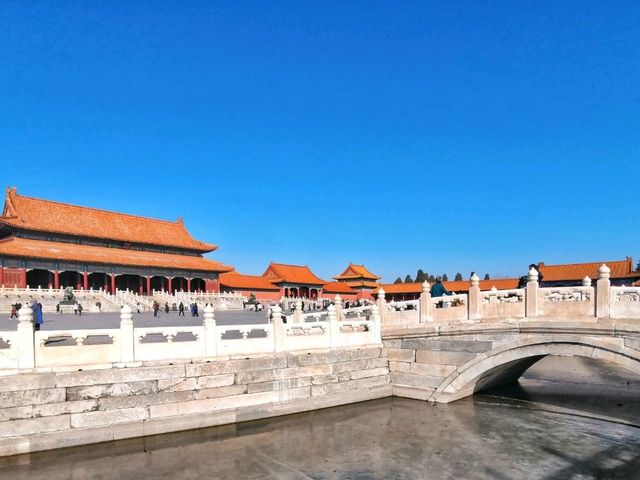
569 418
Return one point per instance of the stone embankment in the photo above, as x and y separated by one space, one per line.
46 410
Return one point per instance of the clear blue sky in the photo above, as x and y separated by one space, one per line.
448 136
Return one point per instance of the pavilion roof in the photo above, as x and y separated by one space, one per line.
338 287
41 249
246 282
62 218
354 271
294 274
577 271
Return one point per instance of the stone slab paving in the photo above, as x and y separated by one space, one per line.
53 321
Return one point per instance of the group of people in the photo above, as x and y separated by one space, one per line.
193 308
36 307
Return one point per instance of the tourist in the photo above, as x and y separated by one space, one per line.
57 308
181 310
166 307
80 309
37 313
438 289
138 306
14 311
156 307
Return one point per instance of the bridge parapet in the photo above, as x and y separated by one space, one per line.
584 302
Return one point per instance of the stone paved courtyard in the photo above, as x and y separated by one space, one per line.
54 321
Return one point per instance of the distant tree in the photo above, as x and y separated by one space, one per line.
487 277
458 277
432 278
408 279
420 276
398 280
445 278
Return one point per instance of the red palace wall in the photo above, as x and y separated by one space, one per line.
14 277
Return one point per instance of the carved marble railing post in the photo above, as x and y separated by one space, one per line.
210 340
278 329
475 300
377 326
338 304
26 338
603 292
382 304
425 303
297 313
531 294
334 326
127 341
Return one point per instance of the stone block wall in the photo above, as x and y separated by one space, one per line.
46 410
419 365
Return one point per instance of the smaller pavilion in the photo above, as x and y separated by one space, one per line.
294 280
359 278
260 287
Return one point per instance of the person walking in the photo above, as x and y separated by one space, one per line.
14 311
37 313
80 309
156 307
166 307
181 309
195 310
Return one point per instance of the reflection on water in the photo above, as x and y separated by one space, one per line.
495 435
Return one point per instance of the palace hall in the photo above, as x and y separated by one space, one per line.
50 244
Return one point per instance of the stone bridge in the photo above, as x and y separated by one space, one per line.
439 354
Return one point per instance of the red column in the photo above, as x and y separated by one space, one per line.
1 276
85 280
148 285
23 278
169 288
188 284
113 283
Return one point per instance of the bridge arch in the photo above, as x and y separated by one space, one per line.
507 363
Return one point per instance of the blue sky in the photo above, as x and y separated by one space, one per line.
450 137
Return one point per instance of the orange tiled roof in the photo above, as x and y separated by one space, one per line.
55 217
297 274
246 282
24 247
338 287
577 271
452 286
356 271
362 283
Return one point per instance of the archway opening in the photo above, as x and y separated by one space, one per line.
70 279
129 282
198 285
159 283
98 280
39 278
179 284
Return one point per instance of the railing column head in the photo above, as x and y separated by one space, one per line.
209 315
299 305
276 314
126 315
381 293
586 281
474 280
338 300
604 272
426 288
25 315
533 275
333 316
